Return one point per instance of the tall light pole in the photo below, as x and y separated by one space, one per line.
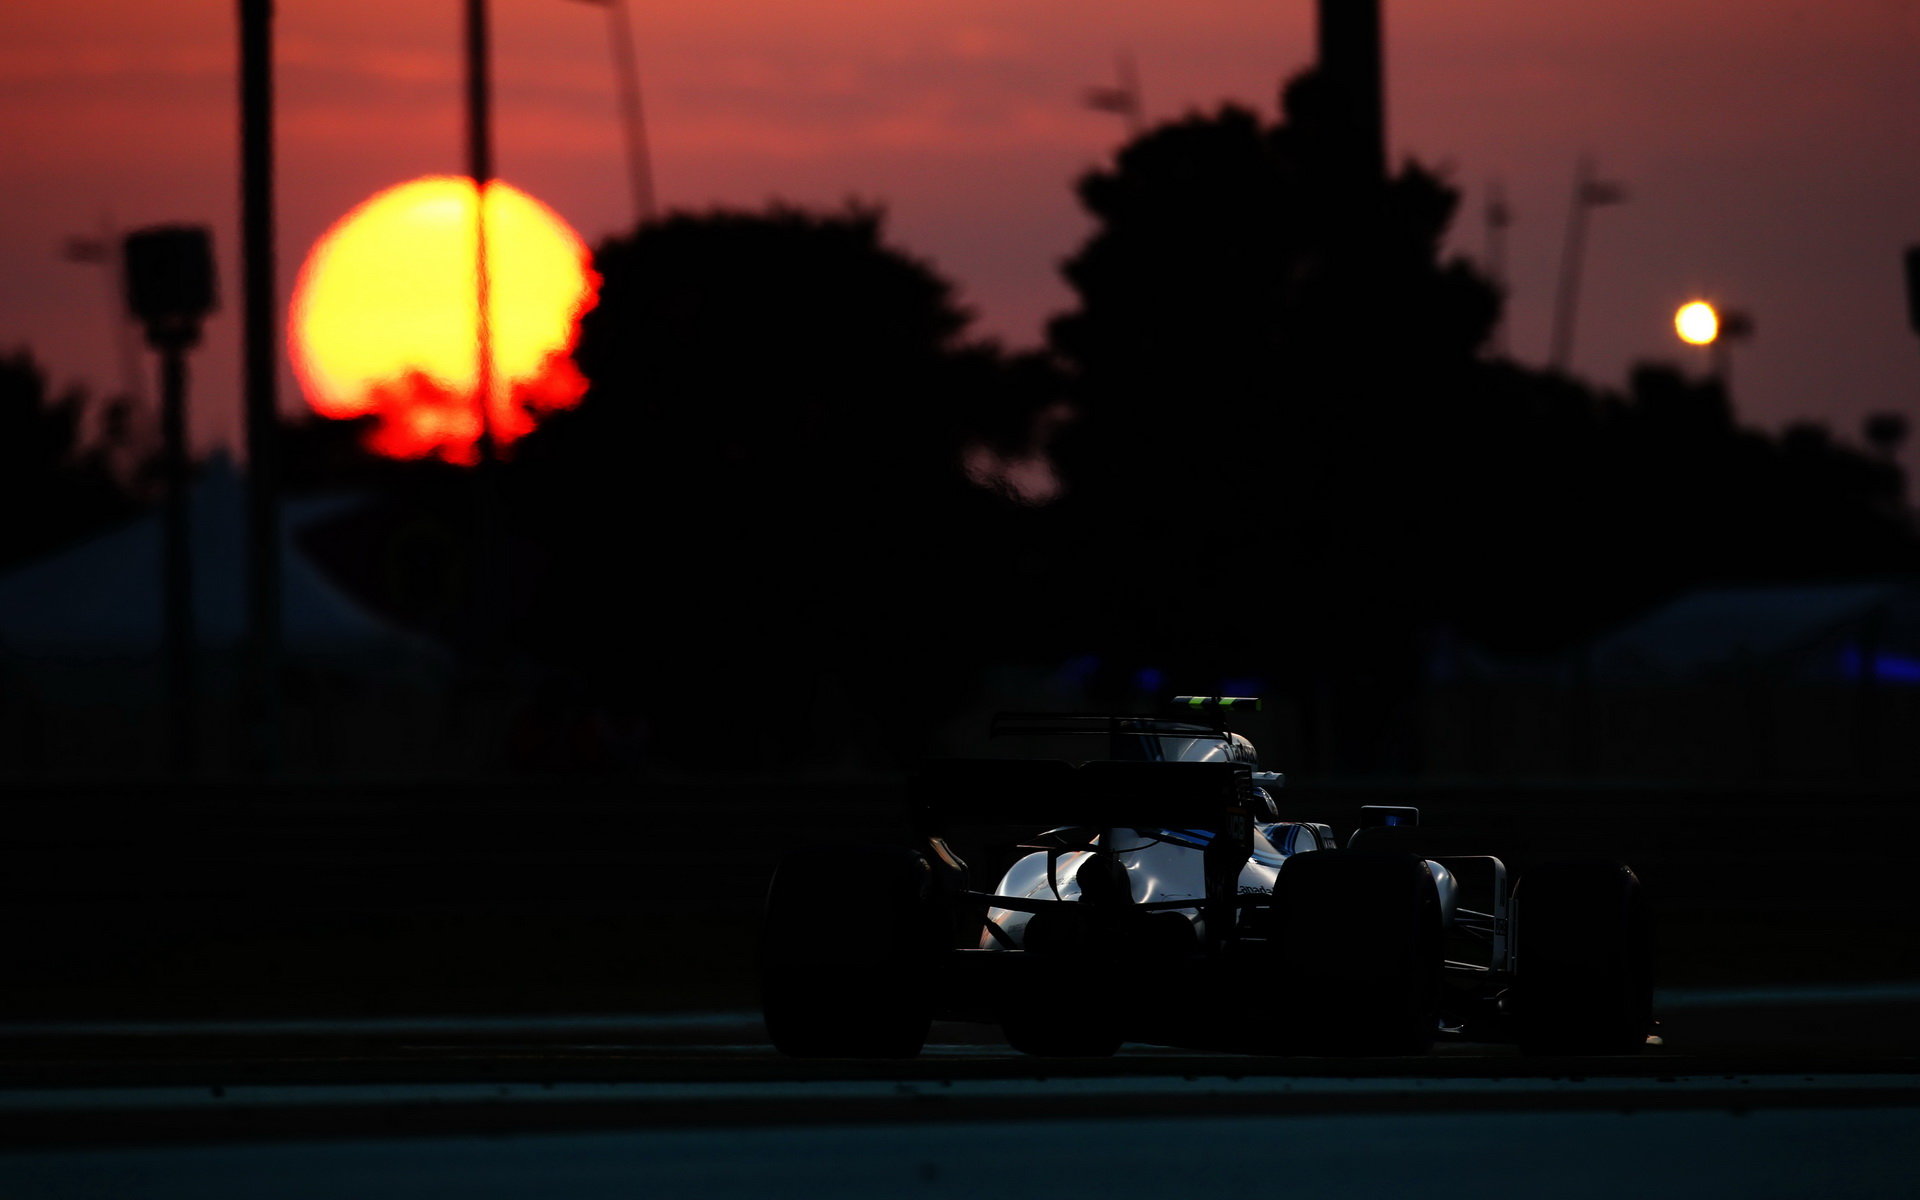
626 70
170 290
260 375
1352 70
627 67
1588 192
480 168
1499 218
1123 99
102 250
490 567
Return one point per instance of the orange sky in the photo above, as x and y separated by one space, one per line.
1767 148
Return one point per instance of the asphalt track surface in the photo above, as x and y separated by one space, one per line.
1753 1092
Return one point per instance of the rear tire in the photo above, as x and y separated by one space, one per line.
1583 969
848 950
1359 947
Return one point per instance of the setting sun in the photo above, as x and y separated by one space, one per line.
384 320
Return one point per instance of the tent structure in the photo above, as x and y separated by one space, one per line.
1763 683
1786 634
1792 634
82 690
103 597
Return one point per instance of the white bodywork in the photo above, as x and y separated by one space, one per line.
1160 865
1163 864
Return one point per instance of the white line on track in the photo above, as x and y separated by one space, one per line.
644 1024
1066 1089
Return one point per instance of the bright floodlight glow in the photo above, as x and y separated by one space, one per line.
1697 323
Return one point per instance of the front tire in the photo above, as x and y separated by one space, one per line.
1583 970
1359 942
848 950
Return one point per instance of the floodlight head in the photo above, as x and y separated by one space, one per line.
170 284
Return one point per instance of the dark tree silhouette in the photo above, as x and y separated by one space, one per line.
59 484
1290 458
1886 432
1262 353
766 493
782 520
1579 509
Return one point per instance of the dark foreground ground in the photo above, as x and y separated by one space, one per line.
1754 1093
1770 1154
538 991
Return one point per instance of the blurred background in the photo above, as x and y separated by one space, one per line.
889 370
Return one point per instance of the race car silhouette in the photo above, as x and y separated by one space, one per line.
1164 900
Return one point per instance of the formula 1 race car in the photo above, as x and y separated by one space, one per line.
1167 901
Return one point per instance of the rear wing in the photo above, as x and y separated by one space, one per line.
1099 794
1184 716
